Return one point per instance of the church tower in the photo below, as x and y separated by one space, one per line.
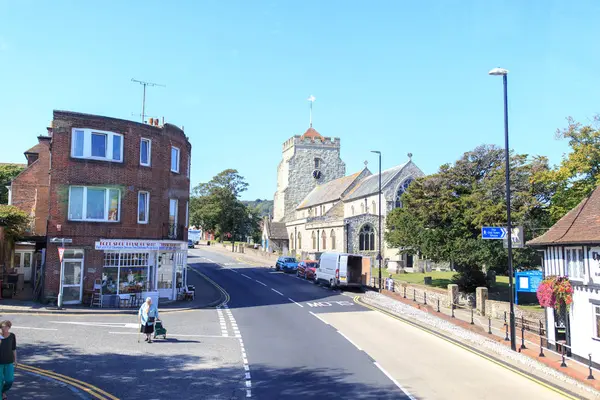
307 161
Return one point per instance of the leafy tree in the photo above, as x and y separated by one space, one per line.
215 205
579 172
14 220
442 214
7 173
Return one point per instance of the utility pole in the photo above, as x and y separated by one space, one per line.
144 84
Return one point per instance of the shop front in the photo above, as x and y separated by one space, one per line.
141 268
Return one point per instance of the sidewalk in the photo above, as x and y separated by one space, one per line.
207 295
481 327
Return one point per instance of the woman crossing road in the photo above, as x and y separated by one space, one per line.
8 357
148 313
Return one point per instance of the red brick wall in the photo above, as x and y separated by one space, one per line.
129 176
30 188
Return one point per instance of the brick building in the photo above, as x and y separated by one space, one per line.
119 196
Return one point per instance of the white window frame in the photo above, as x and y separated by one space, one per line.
149 163
176 170
596 314
84 205
575 270
147 207
87 145
187 214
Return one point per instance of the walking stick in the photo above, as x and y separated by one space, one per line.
140 328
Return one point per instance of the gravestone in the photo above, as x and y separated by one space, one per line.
427 280
481 295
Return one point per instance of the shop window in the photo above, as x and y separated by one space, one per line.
125 273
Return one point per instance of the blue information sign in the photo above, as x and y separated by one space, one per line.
493 232
527 282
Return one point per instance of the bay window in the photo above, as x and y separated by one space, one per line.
94 204
96 145
574 261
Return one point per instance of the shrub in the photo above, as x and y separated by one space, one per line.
469 278
14 220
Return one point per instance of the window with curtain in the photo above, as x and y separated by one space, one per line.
94 204
97 145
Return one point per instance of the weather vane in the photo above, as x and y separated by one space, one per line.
312 100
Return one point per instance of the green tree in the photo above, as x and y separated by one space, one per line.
215 205
14 220
442 214
7 173
578 174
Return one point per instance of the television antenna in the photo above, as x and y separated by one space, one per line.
144 83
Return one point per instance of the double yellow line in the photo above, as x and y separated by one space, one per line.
215 284
85 387
553 388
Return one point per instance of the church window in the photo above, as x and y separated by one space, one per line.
401 189
322 210
362 208
291 241
299 241
373 207
366 238
352 210
318 163
332 235
314 240
324 240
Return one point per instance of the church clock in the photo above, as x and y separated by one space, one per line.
317 174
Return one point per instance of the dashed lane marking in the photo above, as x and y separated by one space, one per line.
296 303
246 276
277 291
264 284
36 329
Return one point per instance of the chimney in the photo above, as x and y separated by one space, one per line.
151 121
49 128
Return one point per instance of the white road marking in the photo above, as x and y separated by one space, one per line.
175 335
248 393
276 291
104 324
351 342
247 375
322 320
410 396
264 284
246 276
298 304
36 329
238 335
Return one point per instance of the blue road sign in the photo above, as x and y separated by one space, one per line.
493 232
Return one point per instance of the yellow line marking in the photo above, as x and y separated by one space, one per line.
215 284
531 378
86 387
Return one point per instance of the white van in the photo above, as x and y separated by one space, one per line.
340 269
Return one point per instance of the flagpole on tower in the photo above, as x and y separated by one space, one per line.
312 100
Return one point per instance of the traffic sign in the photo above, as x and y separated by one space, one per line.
61 240
61 252
493 232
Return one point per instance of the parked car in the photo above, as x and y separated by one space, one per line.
340 269
307 269
190 244
286 264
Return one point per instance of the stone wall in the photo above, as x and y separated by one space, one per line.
432 293
497 309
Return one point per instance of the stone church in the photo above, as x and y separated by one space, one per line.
318 208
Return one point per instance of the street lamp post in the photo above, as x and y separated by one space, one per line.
502 72
379 258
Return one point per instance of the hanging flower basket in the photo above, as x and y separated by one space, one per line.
555 292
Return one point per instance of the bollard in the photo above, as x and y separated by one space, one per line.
438 305
472 322
563 364
523 338
490 325
452 308
404 291
590 367
414 294
542 347
506 326
425 298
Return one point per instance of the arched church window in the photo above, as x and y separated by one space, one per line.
324 240
318 163
373 207
366 238
291 241
314 240
401 189
332 236
299 240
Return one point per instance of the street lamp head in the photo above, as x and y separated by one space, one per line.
498 72
375 151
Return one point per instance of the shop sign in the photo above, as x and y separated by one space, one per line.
595 264
138 245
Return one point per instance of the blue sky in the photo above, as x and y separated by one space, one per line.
396 76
